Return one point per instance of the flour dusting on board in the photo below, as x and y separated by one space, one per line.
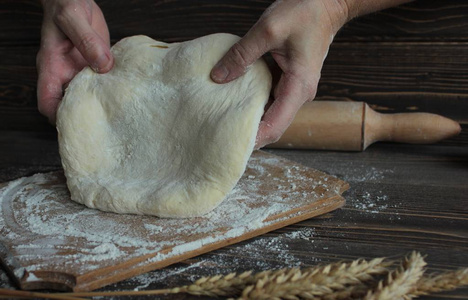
43 230
262 253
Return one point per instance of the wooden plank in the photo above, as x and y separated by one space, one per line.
20 22
427 216
399 77
421 20
392 77
24 153
396 164
185 19
402 198
303 245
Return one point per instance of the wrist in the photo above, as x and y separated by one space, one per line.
337 12
356 8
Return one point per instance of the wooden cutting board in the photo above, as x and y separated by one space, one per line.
49 241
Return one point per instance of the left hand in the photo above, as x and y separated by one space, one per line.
298 34
74 35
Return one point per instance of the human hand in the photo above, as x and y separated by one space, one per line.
298 34
74 35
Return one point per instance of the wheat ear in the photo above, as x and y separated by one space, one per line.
442 282
360 272
313 282
400 282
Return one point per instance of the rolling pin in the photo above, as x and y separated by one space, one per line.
353 126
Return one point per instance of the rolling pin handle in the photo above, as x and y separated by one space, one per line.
412 128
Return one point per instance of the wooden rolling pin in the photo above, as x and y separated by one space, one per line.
353 126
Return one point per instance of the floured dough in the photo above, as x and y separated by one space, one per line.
156 135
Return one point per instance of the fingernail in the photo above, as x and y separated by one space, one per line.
219 73
101 63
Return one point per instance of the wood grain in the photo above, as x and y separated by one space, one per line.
428 78
423 206
410 58
423 20
399 77
419 195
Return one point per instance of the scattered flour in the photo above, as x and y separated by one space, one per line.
368 200
306 233
366 174
371 204
262 253
143 281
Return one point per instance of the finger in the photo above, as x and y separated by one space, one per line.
99 23
292 91
241 55
75 25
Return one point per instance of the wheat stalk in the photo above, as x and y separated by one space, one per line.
13 294
231 284
213 286
218 285
400 282
330 282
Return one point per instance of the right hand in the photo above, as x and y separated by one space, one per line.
74 35
298 34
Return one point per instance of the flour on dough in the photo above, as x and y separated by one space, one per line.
156 135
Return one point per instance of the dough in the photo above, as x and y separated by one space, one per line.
156 135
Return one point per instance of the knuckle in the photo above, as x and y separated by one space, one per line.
239 54
273 134
272 31
87 43
63 13
309 82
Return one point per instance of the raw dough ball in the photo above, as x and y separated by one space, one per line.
156 135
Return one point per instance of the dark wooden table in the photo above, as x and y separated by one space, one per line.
402 197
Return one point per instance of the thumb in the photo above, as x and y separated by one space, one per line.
94 49
240 56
